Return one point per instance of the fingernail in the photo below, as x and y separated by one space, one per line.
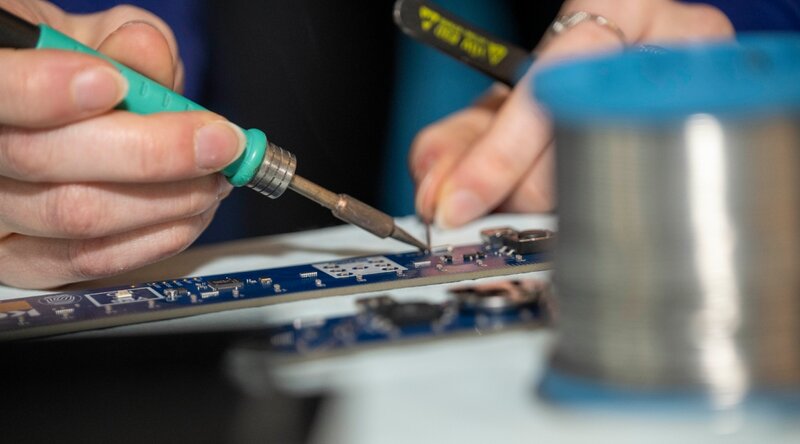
99 87
217 144
137 22
423 167
459 208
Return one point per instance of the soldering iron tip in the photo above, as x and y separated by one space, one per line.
403 236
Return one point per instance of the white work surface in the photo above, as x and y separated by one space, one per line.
463 390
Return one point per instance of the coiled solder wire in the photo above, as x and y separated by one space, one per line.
678 265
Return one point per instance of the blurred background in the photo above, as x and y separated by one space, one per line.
677 265
336 83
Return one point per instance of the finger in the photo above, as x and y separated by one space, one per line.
536 192
134 37
93 29
633 17
122 147
659 21
33 262
180 77
142 47
688 22
435 140
485 175
83 211
437 149
44 88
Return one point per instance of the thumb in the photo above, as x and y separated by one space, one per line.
133 37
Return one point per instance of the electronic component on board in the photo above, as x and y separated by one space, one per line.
359 267
208 294
441 249
174 293
496 237
421 264
64 312
411 313
532 241
405 314
512 242
225 284
123 296
474 256
504 296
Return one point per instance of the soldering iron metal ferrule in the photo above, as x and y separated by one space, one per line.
275 173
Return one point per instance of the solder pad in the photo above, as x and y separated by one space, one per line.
73 311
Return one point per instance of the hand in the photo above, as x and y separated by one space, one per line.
498 154
87 191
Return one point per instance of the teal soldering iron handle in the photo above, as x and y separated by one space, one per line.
146 96
263 166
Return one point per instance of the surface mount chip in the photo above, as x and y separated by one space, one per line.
224 284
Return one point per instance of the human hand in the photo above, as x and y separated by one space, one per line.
87 191
497 154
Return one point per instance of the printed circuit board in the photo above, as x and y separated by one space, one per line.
473 310
504 251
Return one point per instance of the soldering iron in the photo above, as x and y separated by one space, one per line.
264 166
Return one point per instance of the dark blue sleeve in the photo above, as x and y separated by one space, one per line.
759 15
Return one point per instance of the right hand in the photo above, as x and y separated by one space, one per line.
87 191
497 154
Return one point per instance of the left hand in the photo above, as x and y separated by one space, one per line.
87 190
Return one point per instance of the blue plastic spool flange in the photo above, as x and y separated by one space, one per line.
756 74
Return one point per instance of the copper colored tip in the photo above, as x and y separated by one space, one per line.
353 211
403 236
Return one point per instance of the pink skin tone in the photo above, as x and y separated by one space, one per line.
87 191
497 155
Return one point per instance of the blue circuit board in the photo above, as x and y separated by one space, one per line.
502 252
471 310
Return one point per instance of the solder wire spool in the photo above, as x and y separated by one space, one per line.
678 261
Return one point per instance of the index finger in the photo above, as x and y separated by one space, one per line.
122 147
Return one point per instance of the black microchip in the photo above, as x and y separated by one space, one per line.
447 259
224 284
410 314
474 256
